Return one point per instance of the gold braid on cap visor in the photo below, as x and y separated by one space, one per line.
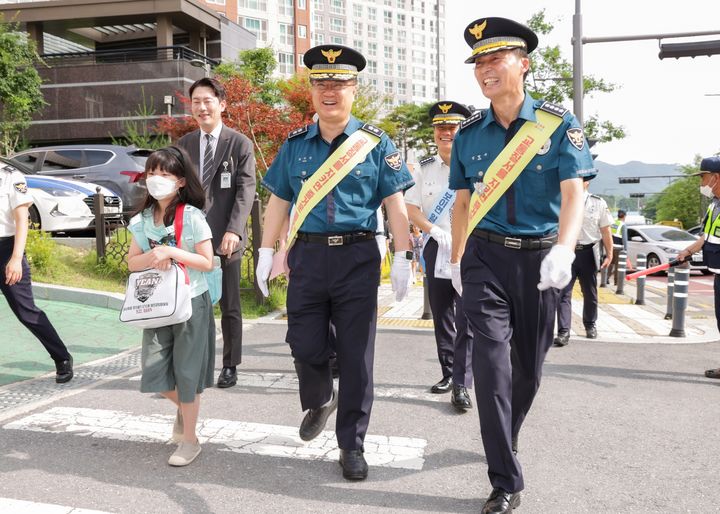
330 71
497 43
447 120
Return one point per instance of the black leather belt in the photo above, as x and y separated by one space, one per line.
583 247
335 239
6 238
517 243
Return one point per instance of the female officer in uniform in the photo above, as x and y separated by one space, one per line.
15 282
334 262
431 198
518 255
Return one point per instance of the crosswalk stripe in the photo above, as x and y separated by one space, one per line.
235 436
10 506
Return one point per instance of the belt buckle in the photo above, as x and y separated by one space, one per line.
513 242
335 240
579 246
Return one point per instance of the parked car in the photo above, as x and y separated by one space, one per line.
112 166
61 205
696 230
660 244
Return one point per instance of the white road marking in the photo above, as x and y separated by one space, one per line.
235 436
10 506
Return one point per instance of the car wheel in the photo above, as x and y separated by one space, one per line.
653 260
34 218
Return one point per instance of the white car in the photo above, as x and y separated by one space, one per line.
660 244
61 205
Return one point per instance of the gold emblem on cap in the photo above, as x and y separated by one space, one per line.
477 29
445 108
331 55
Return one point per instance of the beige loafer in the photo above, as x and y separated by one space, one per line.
185 454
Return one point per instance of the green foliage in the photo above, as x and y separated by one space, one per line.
551 79
680 200
256 65
137 131
40 250
409 126
368 103
20 94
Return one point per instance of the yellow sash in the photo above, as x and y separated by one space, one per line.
507 166
352 152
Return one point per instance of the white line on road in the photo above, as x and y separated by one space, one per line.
10 506
235 436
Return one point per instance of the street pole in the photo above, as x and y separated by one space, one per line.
578 63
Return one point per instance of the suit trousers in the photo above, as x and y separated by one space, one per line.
20 299
453 337
584 268
512 325
335 284
231 315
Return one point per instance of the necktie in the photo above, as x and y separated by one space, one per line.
207 162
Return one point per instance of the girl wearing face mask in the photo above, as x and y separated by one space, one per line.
177 360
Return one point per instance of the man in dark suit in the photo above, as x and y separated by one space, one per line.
226 166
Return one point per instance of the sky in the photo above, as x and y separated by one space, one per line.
662 104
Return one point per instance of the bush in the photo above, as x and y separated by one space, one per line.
40 250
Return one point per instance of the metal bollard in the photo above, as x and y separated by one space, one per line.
427 313
670 289
640 289
621 263
680 295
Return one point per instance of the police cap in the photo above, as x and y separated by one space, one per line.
709 165
448 113
487 35
333 62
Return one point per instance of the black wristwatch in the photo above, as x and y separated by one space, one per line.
409 255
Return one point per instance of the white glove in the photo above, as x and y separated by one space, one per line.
443 239
400 275
263 269
382 245
556 268
455 276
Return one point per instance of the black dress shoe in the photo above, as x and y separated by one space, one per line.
562 339
314 421
500 502
443 386
64 371
591 332
227 378
353 464
460 398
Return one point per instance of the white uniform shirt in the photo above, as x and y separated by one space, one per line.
431 181
596 216
13 193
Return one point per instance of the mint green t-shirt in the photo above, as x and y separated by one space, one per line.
195 230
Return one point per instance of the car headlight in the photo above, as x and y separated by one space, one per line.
62 192
667 249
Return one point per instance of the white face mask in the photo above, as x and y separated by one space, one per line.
160 187
707 191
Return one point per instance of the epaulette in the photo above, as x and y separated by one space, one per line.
427 160
297 132
557 110
595 196
372 129
477 115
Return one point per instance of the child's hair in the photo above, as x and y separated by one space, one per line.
175 161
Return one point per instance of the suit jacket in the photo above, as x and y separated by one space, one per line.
227 209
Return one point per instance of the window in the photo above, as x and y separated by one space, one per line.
357 28
418 73
317 5
432 25
388 86
257 27
285 7
402 88
388 34
258 5
302 5
400 4
286 33
337 6
372 13
372 49
218 2
337 40
372 31
318 38
401 20
300 60
401 70
286 63
418 39
418 56
337 24
318 22
97 157
372 66
357 11
387 17
387 52
373 83
302 31
419 90
62 160
358 44
29 159
388 3
402 54
388 68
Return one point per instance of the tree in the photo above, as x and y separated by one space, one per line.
20 94
551 80
368 103
257 66
682 200
410 126
137 132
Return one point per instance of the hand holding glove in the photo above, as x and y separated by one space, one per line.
455 276
444 240
400 275
262 271
556 268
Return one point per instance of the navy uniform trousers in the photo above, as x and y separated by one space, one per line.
512 325
452 333
584 268
335 284
21 302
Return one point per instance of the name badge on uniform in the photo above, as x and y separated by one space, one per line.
225 177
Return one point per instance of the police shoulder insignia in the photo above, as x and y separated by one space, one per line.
394 161
576 137
372 129
477 115
427 160
596 197
557 110
20 187
297 132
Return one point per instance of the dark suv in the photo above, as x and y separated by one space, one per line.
115 167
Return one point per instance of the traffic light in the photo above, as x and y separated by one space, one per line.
694 49
629 180
637 195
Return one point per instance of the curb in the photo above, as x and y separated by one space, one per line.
91 297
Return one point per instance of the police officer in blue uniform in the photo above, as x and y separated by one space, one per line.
429 203
335 262
15 282
709 240
520 253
